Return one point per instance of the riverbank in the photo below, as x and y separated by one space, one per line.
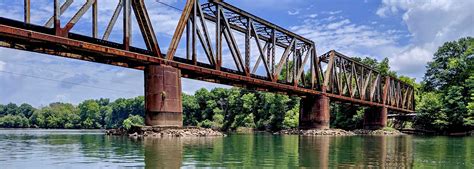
158 132
339 132
316 132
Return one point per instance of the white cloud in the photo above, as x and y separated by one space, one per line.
294 12
313 15
332 12
341 34
430 23
411 61
338 24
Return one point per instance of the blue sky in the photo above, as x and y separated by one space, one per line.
407 32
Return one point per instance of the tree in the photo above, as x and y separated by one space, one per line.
2 110
57 115
90 114
25 110
450 65
191 110
449 75
429 112
10 109
246 117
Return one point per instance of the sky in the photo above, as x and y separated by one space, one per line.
408 32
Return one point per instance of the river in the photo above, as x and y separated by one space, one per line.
88 149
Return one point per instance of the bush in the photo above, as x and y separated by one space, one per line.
389 129
205 124
135 120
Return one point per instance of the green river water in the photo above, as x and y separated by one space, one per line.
88 149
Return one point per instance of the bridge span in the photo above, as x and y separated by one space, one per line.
273 59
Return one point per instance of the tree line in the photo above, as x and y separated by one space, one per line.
444 102
89 114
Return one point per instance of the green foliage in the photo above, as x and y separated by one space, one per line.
25 110
10 109
389 129
133 120
190 110
448 86
57 115
429 112
14 121
90 114
291 119
229 109
383 66
122 108
347 117
450 65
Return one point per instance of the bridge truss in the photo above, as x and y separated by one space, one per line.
296 69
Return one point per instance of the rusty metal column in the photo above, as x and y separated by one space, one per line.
375 118
314 112
27 11
163 105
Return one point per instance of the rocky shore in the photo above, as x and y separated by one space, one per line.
158 132
315 132
339 132
378 132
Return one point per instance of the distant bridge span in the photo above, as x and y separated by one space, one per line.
288 61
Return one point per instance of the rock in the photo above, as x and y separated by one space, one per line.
377 132
316 132
141 131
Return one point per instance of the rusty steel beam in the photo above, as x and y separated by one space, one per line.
63 8
231 42
190 4
95 14
283 59
112 21
248 36
27 11
301 68
146 28
127 24
57 22
78 15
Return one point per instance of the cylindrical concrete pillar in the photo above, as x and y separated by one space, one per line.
314 112
163 105
375 118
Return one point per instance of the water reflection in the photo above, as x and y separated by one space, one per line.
79 149
314 151
287 151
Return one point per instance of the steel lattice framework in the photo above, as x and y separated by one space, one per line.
298 70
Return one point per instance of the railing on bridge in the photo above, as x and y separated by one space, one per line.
290 63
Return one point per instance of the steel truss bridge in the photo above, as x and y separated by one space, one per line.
290 62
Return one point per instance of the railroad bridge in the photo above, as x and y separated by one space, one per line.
263 56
